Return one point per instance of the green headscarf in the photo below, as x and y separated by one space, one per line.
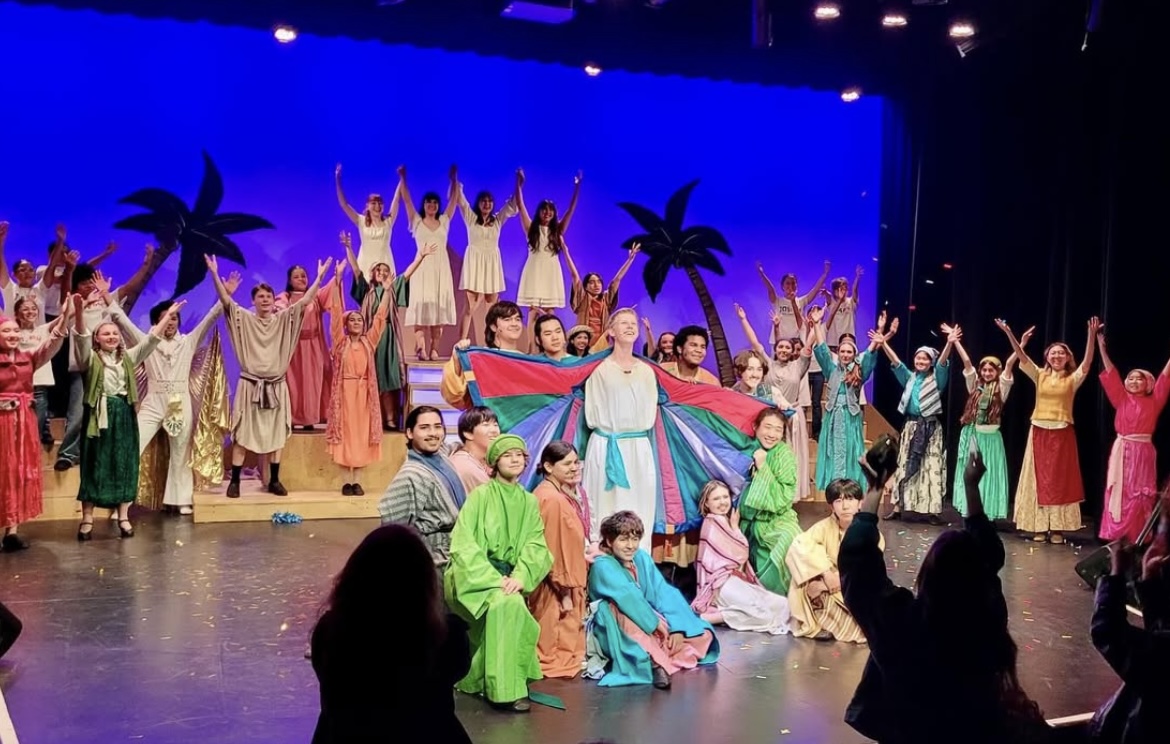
502 444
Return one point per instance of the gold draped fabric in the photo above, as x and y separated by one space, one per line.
210 407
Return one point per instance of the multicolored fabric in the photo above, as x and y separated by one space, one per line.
701 432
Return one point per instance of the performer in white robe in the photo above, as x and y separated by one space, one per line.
264 342
621 405
167 403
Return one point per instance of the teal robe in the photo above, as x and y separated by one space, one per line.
499 533
609 581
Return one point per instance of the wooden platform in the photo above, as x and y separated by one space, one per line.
257 505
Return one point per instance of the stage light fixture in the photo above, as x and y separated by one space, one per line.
962 30
826 11
849 95
592 70
284 34
894 20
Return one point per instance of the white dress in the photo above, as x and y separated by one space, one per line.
483 269
542 283
432 292
624 404
375 246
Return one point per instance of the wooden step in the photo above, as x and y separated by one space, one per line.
257 505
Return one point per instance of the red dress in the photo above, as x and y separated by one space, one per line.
21 486
310 371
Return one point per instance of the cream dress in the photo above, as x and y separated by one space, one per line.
542 283
375 245
483 269
432 291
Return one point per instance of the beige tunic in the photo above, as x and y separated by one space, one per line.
264 348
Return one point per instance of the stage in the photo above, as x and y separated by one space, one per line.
197 633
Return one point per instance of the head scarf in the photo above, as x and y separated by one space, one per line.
993 361
504 443
929 351
1145 373
580 329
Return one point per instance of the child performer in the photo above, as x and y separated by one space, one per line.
785 374
842 443
21 481
729 592
109 444
769 520
814 594
433 303
842 310
558 604
167 403
642 624
483 268
310 372
987 390
368 290
373 227
542 282
1050 490
354 433
586 298
264 342
919 483
32 336
1132 485
498 557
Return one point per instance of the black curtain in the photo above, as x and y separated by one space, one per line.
1035 181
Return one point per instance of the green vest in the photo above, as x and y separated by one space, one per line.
93 388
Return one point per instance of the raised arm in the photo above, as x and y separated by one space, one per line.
812 293
956 334
82 340
392 210
1025 361
311 293
225 297
772 296
574 275
134 286
378 322
347 243
1105 360
962 352
1095 326
97 260
350 212
56 332
635 249
404 194
429 249
856 283
455 194
518 195
750 332
568 217
337 308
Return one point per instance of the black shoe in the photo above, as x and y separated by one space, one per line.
347 489
233 491
276 488
84 535
14 542
516 706
128 530
358 490
823 635
661 678
62 464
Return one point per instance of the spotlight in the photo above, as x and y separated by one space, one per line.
826 12
894 20
962 30
285 34
592 70
849 95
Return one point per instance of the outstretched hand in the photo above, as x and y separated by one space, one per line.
1026 336
429 249
739 311
212 263
232 283
323 268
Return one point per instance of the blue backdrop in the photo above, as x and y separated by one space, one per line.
99 106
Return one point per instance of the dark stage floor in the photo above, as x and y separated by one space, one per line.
197 633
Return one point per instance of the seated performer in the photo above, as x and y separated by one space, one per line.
729 592
167 403
642 624
769 521
558 604
478 427
426 492
264 342
498 557
814 591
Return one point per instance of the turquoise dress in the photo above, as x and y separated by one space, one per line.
842 441
641 601
388 354
993 487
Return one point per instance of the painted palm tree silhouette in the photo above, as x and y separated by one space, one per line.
668 245
193 232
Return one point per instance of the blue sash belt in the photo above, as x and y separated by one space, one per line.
615 465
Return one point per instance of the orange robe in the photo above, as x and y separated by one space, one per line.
358 438
561 647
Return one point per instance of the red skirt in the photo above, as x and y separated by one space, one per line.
21 485
1058 467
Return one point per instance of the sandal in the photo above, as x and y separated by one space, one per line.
1057 538
1040 537
84 535
127 531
